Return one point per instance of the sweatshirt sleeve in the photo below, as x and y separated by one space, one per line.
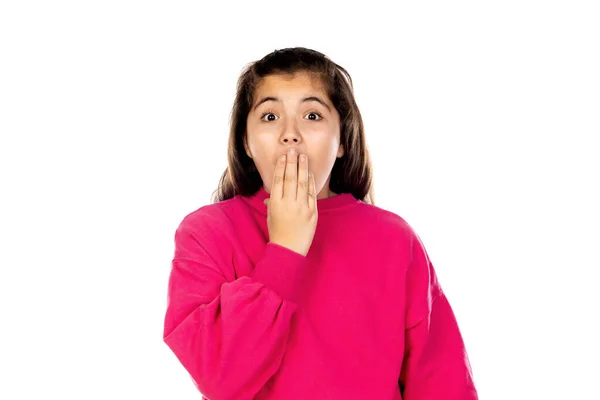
230 335
436 365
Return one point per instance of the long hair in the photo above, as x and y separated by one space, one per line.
351 173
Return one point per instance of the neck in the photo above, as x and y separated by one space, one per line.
331 202
325 193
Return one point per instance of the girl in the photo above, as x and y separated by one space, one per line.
293 284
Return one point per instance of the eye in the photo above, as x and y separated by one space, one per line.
320 117
265 114
315 116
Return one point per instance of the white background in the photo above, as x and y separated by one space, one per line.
483 119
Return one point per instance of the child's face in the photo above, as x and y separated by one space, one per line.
312 128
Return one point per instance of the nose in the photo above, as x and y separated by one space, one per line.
291 136
291 139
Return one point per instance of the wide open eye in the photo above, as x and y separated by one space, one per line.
319 116
267 113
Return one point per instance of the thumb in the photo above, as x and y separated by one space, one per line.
266 202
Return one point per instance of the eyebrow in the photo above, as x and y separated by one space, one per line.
310 98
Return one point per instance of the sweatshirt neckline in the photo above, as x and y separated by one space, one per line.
328 204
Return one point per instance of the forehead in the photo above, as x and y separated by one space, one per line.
300 82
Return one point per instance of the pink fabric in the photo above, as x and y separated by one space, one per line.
362 316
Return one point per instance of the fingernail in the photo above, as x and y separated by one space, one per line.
302 158
292 152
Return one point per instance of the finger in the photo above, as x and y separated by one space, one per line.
303 181
277 185
312 192
290 179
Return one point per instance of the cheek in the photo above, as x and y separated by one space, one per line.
322 160
265 166
323 163
262 153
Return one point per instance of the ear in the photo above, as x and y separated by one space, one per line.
247 149
340 152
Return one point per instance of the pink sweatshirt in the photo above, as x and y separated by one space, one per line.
362 316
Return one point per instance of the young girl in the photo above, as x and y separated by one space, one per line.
293 284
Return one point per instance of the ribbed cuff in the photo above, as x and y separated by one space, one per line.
282 270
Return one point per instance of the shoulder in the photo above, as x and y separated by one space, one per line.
383 231
385 220
209 218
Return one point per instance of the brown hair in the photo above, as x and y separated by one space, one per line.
351 173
